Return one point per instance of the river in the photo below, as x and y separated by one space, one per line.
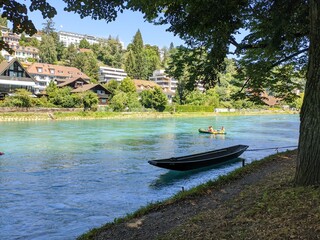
58 179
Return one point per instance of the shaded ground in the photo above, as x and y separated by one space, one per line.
260 204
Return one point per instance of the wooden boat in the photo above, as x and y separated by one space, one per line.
201 130
200 160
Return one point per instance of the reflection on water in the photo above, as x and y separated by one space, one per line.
59 179
171 177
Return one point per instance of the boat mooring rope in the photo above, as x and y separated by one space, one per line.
276 148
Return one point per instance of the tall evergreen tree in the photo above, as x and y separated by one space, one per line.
48 53
140 70
48 26
130 63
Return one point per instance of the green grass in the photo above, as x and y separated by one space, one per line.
270 209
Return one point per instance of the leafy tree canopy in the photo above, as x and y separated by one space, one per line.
127 86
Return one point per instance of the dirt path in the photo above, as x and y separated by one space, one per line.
155 224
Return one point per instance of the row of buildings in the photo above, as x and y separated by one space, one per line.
36 77
44 73
25 52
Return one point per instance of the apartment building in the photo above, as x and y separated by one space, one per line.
69 38
44 73
108 73
163 80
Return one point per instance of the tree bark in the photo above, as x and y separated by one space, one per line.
308 160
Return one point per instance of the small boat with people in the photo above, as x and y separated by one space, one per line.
199 160
210 130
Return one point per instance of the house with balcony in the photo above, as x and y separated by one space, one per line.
44 73
79 85
166 82
14 76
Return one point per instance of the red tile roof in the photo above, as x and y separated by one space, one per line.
59 71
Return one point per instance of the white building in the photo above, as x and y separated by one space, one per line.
69 38
164 81
108 73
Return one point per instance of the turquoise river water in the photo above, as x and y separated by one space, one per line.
59 179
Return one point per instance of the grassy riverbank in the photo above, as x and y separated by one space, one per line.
258 201
80 115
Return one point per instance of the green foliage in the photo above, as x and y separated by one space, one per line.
84 44
154 98
110 52
69 55
62 97
119 101
3 22
135 63
195 98
146 98
90 100
48 53
133 103
112 86
125 99
127 86
298 102
152 59
21 98
88 64
24 41
193 108
212 98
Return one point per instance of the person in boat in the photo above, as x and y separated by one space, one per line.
210 129
222 129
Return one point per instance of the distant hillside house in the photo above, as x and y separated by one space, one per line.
44 73
14 76
142 85
68 38
108 73
82 85
20 52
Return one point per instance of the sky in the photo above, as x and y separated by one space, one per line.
124 27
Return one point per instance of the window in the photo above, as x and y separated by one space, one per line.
78 84
39 69
51 70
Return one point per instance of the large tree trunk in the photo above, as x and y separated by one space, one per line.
308 161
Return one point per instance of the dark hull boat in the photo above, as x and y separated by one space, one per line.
200 160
